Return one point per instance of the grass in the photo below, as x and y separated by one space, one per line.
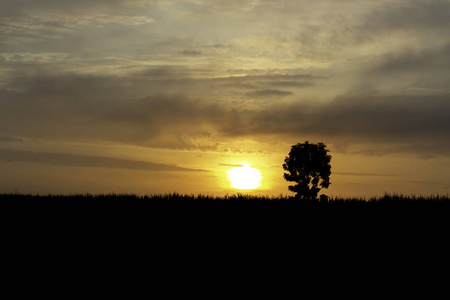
175 198
245 215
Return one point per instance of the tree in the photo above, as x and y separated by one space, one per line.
309 166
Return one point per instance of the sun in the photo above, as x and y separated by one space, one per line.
244 178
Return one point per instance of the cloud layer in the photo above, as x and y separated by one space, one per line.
72 160
203 74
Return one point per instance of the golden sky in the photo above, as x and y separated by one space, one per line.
148 96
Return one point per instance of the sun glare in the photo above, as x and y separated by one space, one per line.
244 178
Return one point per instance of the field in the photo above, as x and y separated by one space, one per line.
387 199
237 202
240 216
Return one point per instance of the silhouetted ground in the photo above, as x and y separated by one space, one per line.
241 199
160 205
234 225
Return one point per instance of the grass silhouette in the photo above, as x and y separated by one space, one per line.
170 199
238 217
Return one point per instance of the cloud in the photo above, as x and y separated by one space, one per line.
34 22
396 124
191 52
92 108
231 165
363 174
5 139
409 15
407 61
427 182
24 7
291 83
62 159
268 93
359 72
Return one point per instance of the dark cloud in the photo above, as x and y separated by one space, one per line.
42 81
70 26
7 94
268 93
354 23
191 52
231 165
267 78
217 46
275 80
402 124
4 139
167 72
101 108
389 117
291 83
415 62
363 174
159 99
427 182
23 7
409 15
62 159
427 149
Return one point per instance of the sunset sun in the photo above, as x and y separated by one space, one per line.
244 178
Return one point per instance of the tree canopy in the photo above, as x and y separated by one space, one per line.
308 165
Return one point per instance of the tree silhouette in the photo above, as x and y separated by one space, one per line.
309 166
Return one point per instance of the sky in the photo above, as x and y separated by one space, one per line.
149 96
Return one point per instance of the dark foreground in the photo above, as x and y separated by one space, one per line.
175 199
238 220
153 206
